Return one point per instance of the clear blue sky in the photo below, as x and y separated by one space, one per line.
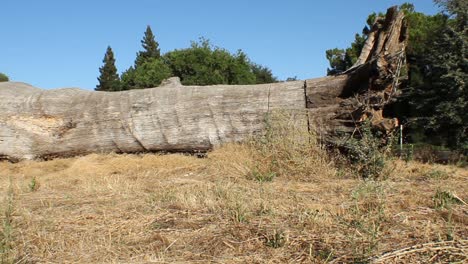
58 43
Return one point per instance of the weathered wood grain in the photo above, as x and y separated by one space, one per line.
37 123
338 104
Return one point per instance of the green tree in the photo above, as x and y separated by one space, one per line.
128 79
423 29
3 77
241 70
150 48
434 102
291 79
109 79
263 74
204 64
342 59
149 74
440 100
338 61
149 67
200 64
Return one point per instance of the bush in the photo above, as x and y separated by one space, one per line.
445 199
205 64
3 78
147 75
367 152
430 153
151 73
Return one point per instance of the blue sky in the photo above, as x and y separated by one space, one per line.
57 43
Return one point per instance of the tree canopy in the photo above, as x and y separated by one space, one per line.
148 74
200 64
204 64
438 97
263 74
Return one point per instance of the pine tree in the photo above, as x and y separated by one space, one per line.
150 46
109 79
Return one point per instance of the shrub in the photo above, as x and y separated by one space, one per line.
367 152
445 199
275 239
3 78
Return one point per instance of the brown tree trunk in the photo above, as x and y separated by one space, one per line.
37 123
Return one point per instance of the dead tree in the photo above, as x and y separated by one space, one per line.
36 123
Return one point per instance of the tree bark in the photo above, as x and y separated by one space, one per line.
36 123
337 104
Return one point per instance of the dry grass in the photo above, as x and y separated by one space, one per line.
175 208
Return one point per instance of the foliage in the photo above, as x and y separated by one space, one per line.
128 79
436 174
342 59
4 77
33 185
150 48
421 31
149 74
451 62
419 24
444 199
109 79
262 74
291 79
434 100
338 61
367 152
276 239
204 64
201 64
455 8
149 70
266 176
437 98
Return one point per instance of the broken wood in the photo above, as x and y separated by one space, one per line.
337 103
36 123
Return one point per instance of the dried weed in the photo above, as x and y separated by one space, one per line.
175 208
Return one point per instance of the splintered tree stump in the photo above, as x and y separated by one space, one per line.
36 123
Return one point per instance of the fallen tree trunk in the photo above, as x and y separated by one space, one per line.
37 123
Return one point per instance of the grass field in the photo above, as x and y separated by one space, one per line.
175 208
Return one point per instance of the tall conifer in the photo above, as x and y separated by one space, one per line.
150 48
109 79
